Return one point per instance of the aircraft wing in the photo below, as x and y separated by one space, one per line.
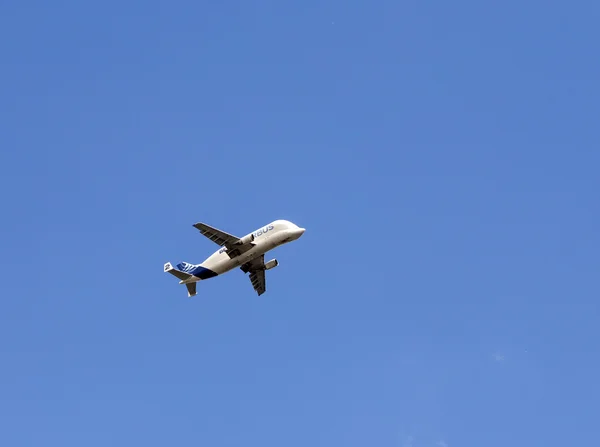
256 267
233 243
220 237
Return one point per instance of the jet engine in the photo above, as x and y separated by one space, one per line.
245 240
271 264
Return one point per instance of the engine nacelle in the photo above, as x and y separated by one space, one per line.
271 264
246 240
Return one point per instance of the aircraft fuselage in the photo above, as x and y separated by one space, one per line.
266 238
246 252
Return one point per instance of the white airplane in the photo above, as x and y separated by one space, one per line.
247 253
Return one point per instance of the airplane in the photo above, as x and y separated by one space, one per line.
247 253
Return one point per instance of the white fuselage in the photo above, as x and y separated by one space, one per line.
267 238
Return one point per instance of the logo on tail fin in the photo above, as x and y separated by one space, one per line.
185 266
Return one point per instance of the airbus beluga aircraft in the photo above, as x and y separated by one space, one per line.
247 253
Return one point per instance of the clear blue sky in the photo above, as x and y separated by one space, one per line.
443 156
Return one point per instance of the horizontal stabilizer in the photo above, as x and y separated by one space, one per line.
191 288
177 273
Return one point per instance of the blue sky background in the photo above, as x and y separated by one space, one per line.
443 157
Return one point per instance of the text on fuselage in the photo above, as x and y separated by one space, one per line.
263 231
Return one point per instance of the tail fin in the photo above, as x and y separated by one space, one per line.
177 272
180 273
186 267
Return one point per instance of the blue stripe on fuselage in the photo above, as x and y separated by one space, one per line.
202 273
